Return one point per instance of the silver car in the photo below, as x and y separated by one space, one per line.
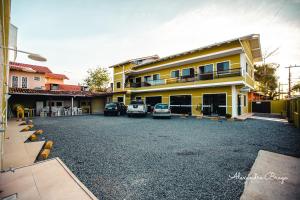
161 110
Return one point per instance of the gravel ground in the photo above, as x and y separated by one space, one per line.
142 158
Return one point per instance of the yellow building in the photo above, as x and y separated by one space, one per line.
214 79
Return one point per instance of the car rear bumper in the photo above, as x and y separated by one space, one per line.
157 114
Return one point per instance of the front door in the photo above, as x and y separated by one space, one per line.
214 104
239 105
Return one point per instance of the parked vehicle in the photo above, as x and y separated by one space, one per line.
137 107
114 108
161 110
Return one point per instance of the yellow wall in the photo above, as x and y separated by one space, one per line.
197 53
196 96
278 107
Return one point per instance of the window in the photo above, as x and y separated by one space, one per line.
15 81
147 78
120 99
54 87
24 82
206 72
188 72
246 67
59 103
206 69
111 85
138 98
223 66
245 100
37 78
156 77
118 84
175 74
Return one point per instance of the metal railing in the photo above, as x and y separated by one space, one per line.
191 78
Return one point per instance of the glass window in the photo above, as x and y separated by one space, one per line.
138 98
246 67
223 66
175 74
15 81
37 78
206 69
118 84
59 103
156 77
24 82
188 72
245 100
147 78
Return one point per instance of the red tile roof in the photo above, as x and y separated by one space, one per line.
23 91
65 87
37 68
56 76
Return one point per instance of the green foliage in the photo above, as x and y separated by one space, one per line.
265 75
97 79
228 115
296 87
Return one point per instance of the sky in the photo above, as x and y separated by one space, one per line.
75 35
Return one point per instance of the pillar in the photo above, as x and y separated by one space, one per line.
234 101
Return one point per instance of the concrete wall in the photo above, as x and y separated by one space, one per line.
31 83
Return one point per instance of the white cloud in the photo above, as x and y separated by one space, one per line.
202 26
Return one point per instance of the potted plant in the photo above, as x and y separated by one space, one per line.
228 116
199 109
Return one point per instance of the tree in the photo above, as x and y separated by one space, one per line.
97 79
265 75
296 87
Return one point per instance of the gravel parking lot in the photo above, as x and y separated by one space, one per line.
143 158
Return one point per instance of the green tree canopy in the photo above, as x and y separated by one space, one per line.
265 75
296 87
97 79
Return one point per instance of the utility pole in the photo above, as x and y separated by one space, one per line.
290 82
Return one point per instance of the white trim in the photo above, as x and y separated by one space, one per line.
234 101
192 60
190 86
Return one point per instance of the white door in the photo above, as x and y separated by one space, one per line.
39 106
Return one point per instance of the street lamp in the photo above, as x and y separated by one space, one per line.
32 56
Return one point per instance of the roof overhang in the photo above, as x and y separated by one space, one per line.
254 41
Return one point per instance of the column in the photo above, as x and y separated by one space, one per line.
72 104
234 101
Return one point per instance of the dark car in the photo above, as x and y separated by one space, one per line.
114 108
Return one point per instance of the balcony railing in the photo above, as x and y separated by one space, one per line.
191 78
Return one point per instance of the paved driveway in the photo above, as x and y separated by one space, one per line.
142 158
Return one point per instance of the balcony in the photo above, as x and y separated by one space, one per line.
191 78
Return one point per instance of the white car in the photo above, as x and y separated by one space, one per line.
136 108
161 110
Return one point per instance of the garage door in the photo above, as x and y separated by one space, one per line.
214 104
151 101
261 107
181 104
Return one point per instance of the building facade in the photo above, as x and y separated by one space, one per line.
214 79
